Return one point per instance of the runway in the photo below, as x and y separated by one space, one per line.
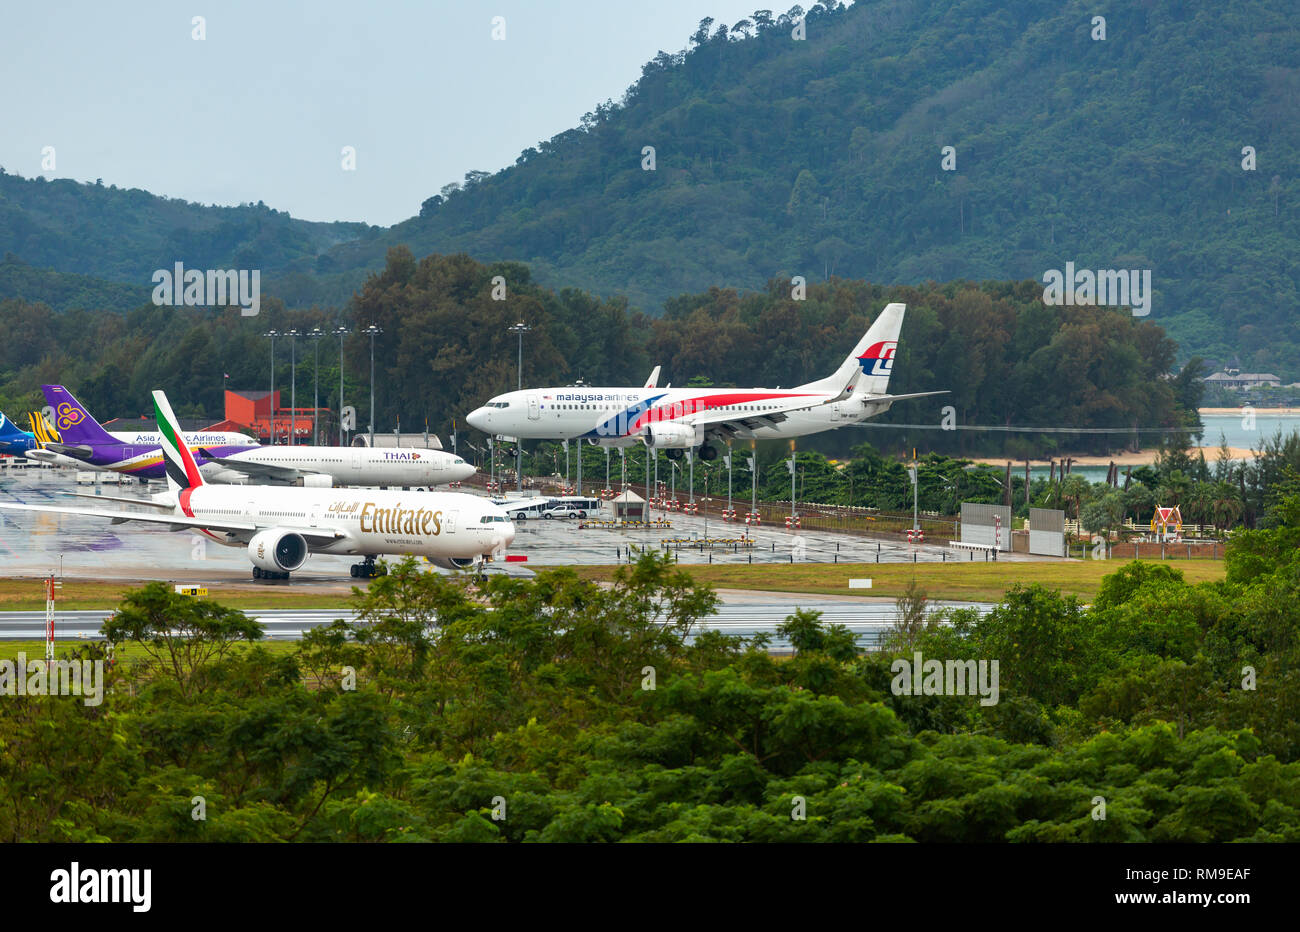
744 614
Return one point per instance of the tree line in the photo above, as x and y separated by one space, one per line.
448 714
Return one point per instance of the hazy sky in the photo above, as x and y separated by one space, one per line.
262 108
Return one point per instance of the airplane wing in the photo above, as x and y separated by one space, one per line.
80 451
725 418
264 472
126 499
870 398
175 521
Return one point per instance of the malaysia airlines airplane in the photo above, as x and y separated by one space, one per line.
243 461
681 419
280 527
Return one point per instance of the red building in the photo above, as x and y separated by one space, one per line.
261 414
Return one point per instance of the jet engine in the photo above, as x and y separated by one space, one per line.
672 436
453 563
277 551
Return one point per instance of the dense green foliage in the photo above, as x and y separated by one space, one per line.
554 710
821 158
95 235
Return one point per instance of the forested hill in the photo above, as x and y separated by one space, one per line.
822 157
95 238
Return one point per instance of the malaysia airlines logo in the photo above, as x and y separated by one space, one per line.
69 416
878 359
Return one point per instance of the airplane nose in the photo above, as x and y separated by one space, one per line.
478 418
510 533
460 473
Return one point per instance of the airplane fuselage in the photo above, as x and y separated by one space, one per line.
447 525
202 438
619 413
352 466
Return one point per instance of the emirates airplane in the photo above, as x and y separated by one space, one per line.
281 526
684 418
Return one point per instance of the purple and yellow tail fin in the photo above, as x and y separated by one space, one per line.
72 421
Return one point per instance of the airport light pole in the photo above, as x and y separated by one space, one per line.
341 332
316 334
790 465
690 459
911 471
727 459
519 330
753 474
706 505
655 453
272 334
293 336
372 331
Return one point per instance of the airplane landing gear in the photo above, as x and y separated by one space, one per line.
259 573
674 454
368 569
708 452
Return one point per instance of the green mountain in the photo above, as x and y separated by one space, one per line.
822 157
87 232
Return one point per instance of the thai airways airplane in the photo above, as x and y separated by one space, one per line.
684 418
224 459
13 440
280 527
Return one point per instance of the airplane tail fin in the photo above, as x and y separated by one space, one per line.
9 430
41 429
182 472
653 381
73 422
868 367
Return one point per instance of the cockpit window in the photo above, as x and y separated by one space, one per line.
498 404
488 519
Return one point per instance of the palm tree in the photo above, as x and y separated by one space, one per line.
1227 506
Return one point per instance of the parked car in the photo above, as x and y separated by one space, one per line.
564 511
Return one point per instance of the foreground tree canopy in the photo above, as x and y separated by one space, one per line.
551 709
